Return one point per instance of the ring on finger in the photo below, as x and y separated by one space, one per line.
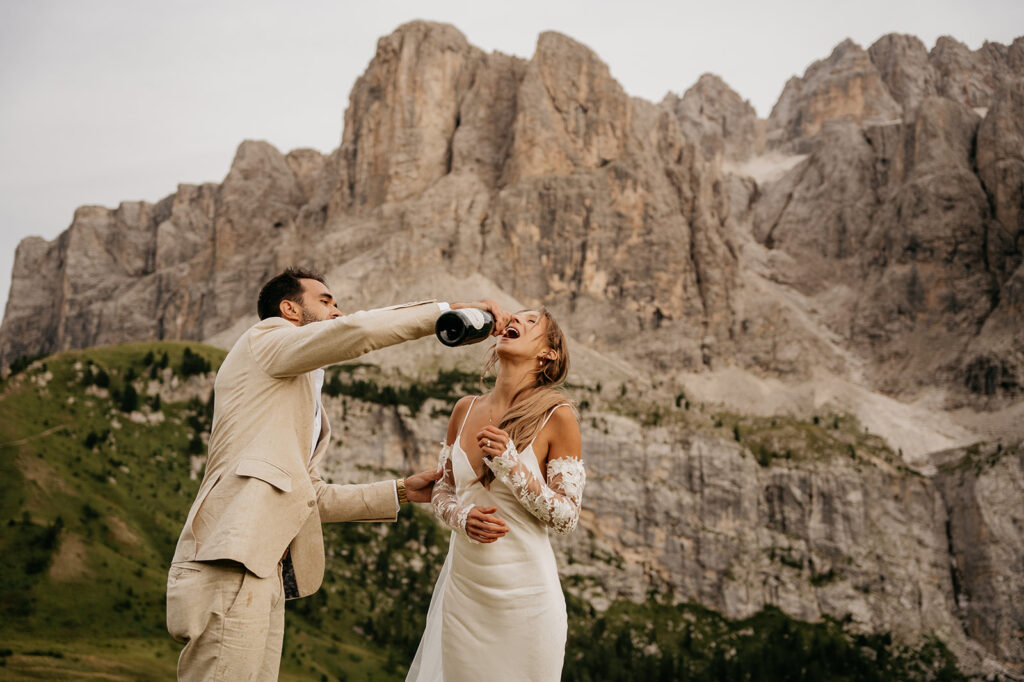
488 443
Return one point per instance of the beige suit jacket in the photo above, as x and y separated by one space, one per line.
262 493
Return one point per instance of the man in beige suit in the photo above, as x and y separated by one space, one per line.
252 537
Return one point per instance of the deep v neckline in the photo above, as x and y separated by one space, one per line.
465 455
465 458
462 448
457 445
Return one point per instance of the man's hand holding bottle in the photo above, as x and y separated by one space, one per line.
469 323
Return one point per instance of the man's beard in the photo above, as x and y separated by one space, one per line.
307 317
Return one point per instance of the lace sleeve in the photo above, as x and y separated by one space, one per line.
445 503
557 502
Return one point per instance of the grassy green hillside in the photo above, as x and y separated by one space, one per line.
96 485
97 474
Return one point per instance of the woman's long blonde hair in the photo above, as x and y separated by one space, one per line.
531 404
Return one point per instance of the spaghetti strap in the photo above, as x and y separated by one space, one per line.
458 436
545 422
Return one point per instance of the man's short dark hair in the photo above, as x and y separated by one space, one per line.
284 287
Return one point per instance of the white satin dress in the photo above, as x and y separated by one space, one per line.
497 612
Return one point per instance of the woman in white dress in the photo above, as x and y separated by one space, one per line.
512 470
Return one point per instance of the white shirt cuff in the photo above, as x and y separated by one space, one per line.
398 506
443 306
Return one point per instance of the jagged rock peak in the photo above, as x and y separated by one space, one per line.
257 159
889 82
262 187
721 122
972 77
403 112
903 62
711 84
571 112
845 85
430 104
591 196
575 57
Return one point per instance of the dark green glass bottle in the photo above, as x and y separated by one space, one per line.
463 326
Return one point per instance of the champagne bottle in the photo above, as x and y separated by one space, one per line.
463 326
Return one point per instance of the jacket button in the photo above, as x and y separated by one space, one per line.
311 503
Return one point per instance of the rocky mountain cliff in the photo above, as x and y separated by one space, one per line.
871 225
738 513
859 251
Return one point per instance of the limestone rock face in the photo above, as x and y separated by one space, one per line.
906 70
545 176
846 85
487 119
403 113
836 178
725 124
1000 162
951 70
638 240
176 269
869 235
972 78
980 489
995 356
693 515
308 166
30 322
899 214
571 113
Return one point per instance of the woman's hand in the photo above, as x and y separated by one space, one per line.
483 527
492 441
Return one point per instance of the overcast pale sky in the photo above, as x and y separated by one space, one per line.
103 101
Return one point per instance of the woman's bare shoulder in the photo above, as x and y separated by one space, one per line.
563 418
563 434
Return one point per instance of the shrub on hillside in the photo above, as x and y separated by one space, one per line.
193 363
129 399
22 363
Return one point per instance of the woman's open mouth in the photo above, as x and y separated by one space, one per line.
511 333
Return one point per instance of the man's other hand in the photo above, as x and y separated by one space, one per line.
419 487
501 318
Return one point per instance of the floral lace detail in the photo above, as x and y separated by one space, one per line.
444 500
557 503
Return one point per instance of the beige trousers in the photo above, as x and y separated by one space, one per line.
232 622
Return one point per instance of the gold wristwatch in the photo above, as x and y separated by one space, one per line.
400 487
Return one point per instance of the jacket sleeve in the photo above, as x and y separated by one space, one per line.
285 350
355 502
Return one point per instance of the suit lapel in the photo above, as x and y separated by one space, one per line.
325 438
